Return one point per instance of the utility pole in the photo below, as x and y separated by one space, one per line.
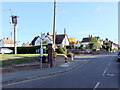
65 37
54 25
51 46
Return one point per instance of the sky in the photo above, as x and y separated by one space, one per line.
79 18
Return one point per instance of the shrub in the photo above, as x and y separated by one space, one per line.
55 54
70 55
61 50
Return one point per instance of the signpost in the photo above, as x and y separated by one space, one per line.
41 49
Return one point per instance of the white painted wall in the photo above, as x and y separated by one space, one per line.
2 44
47 39
85 43
65 42
37 42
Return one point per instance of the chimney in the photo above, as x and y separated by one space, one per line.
48 33
7 38
56 33
64 30
89 36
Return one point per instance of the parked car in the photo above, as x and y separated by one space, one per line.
118 59
5 51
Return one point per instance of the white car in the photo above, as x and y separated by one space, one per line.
5 50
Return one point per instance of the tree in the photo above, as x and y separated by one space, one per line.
94 44
107 45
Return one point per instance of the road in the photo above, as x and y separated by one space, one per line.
101 71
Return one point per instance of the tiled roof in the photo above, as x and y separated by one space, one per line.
86 39
26 44
50 37
7 41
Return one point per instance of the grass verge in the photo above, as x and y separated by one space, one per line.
11 59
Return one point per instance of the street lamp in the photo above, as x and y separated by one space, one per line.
14 22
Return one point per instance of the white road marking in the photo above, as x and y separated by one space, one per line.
105 71
111 75
64 65
96 85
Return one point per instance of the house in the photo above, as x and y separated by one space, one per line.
114 47
36 41
6 42
73 39
61 40
26 44
86 41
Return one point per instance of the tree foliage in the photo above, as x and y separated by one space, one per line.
107 46
94 44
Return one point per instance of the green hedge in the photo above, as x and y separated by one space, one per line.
25 50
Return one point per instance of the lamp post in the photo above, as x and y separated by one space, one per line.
14 22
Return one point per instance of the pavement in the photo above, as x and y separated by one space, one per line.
13 77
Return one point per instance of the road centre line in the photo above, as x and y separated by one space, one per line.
105 71
106 68
96 85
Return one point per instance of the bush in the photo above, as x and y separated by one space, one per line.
55 54
61 50
70 55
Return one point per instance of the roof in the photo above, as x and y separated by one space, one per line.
86 39
7 41
26 44
33 41
50 37
59 38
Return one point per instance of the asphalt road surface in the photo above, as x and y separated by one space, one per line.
101 71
